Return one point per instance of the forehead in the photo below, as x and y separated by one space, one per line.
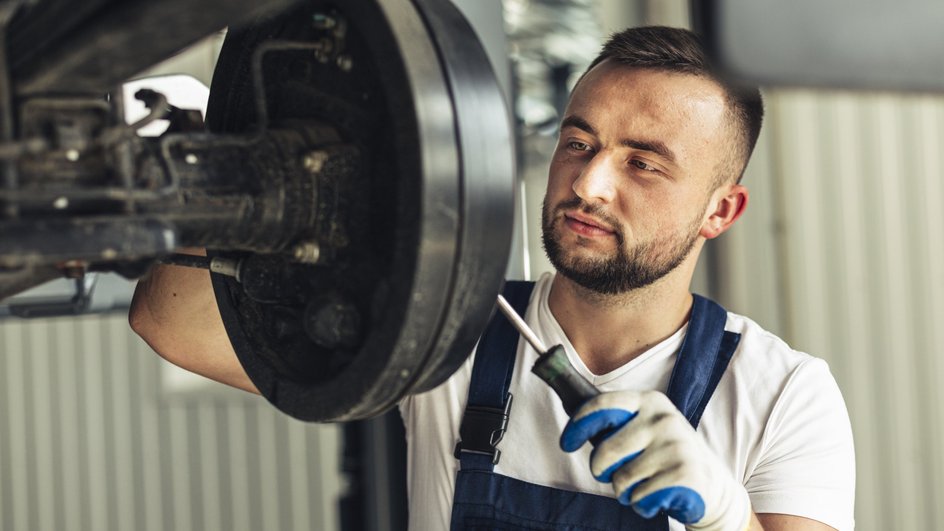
685 112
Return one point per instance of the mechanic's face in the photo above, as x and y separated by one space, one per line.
632 177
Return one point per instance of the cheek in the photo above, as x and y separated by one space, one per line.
687 214
559 179
655 211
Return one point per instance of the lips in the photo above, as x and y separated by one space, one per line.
586 225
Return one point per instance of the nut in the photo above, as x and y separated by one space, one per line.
333 322
314 161
345 62
323 22
307 252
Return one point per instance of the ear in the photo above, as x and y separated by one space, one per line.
727 203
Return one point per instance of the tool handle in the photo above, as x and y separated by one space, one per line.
573 389
555 369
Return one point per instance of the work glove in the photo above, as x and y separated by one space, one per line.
656 461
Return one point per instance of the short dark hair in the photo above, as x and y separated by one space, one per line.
680 50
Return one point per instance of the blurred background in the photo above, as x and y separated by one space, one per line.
838 253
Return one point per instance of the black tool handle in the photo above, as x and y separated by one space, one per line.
573 389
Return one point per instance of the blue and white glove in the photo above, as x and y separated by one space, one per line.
657 462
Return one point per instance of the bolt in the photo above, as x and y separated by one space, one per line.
333 322
72 155
225 266
345 62
190 158
314 161
322 21
73 268
307 252
61 203
323 50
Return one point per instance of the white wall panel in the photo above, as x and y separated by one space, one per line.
90 438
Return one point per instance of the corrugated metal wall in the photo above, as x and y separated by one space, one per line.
94 436
842 255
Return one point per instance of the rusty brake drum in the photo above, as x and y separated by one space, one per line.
412 157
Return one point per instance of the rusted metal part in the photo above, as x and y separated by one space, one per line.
356 179
69 241
407 285
92 49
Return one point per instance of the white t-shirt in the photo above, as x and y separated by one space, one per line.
777 419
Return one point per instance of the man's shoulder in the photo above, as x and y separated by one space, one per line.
757 338
769 370
764 353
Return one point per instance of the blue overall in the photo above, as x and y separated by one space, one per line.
486 501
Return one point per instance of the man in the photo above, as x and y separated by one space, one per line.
703 416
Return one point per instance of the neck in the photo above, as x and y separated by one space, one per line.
608 331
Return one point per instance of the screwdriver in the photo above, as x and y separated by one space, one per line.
552 366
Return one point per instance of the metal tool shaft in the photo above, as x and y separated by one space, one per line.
552 365
521 326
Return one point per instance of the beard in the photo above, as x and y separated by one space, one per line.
628 268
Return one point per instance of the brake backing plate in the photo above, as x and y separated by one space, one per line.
413 165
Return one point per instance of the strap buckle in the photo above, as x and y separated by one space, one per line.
482 429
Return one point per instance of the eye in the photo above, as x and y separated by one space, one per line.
578 146
642 165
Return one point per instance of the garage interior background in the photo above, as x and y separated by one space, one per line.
838 253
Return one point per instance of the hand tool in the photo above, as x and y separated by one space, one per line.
552 366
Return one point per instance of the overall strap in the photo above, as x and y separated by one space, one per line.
489 403
702 360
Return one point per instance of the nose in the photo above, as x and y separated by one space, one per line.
596 181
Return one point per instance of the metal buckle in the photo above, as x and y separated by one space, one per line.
482 429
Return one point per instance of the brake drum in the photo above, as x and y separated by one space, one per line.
415 158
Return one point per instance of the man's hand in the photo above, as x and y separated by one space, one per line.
656 461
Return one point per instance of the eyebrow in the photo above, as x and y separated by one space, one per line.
578 122
653 146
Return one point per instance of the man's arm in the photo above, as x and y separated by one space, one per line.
174 310
786 522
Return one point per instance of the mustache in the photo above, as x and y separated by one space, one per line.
596 211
